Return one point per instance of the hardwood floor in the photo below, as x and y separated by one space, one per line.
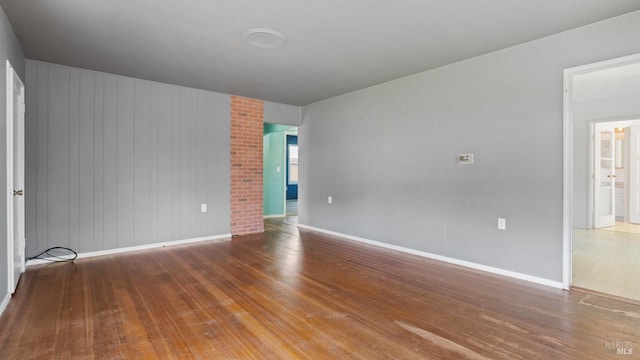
289 294
292 207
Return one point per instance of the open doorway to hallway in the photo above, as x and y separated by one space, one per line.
605 254
292 173
605 119
280 175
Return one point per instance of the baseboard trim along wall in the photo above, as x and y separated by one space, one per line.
273 216
136 248
472 265
4 303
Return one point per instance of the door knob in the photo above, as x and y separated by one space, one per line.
18 192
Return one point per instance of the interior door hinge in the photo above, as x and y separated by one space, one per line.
23 108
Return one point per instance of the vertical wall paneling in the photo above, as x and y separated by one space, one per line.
110 155
193 209
200 158
98 162
86 140
177 145
42 148
117 162
31 153
218 197
165 163
142 163
58 156
74 158
125 162
152 191
184 160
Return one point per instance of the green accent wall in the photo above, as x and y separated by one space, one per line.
268 128
273 157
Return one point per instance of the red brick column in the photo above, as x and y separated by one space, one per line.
246 166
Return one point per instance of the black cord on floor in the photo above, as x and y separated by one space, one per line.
54 258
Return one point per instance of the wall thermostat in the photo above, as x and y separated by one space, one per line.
465 159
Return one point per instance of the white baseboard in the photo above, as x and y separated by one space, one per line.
469 264
134 248
4 303
274 216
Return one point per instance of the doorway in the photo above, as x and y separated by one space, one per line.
280 176
601 109
292 174
614 184
15 178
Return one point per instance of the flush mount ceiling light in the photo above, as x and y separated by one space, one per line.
264 38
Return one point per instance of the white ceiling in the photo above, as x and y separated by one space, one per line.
333 46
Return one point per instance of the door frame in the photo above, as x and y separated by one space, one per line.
567 154
13 125
286 163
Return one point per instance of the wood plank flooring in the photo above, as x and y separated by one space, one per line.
289 294
607 261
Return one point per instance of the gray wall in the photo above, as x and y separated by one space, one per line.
387 154
9 50
276 113
114 161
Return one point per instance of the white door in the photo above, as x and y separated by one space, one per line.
15 177
634 174
604 177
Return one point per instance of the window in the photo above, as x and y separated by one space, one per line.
293 164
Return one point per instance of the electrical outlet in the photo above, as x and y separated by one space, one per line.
203 208
330 200
502 224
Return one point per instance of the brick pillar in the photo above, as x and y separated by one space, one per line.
246 166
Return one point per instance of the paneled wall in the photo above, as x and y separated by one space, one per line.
114 161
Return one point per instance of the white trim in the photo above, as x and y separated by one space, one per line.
274 216
567 154
139 247
472 265
9 190
284 174
567 180
14 129
4 303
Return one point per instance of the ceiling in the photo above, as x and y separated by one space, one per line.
333 46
